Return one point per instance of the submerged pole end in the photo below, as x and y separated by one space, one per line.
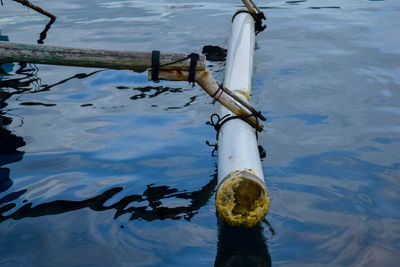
242 199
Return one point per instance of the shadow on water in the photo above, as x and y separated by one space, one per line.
241 247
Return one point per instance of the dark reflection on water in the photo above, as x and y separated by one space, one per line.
9 142
295 2
322 7
241 247
46 87
154 91
153 210
9 152
28 82
43 34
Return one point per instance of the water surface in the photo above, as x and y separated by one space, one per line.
103 168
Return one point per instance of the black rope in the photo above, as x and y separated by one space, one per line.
215 146
214 96
155 65
259 27
258 19
269 226
192 70
217 122
262 152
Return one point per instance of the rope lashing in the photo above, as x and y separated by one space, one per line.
259 27
261 150
215 148
259 18
215 96
155 66
217 122
192 70
256 13
223 89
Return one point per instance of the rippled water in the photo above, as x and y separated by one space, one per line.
103 168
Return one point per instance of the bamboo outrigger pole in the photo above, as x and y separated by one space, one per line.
95 58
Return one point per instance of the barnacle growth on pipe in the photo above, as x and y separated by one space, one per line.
242 199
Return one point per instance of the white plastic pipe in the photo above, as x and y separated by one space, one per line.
242 198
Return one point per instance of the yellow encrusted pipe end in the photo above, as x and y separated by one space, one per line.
242 199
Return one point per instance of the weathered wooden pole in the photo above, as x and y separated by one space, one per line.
250 7
36 8
242 198
94 58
